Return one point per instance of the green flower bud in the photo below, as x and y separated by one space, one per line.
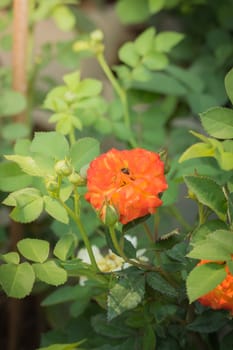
97 35
51 185
83 171
63 168
81 45
77 179
109 215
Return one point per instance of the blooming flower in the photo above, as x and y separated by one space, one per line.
128 180
109 262
221 297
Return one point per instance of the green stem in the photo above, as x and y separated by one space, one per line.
121 93
137 263
202 214
116 244
148 232
175 212
72 136
83 234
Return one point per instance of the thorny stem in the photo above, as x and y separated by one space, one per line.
138 263
148 232
83 234
175 212
121 93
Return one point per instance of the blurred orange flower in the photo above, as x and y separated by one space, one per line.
221 297
128 180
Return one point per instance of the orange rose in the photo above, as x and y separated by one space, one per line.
128 180
221 297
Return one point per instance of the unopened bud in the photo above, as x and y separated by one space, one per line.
109 215
97 35
63 168
77 179
81 45
83 171
51 185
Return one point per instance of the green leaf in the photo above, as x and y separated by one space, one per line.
197 150
50 273
200 101
149 337
114 329
36 250
22 147
55 99
88 88
230 206
61 295
209 250
11 258
140 73
132 11
156 5
162 311
27 164
204 230
218 122
55 209
12 132
28 202
64 248
5 3
223 238
72 80
155 60
204 278
17 280
11 103
121 131
12 178
229 84
188 78
135 222
144 41
103 125
64 18
230 266
129 55
158 283
165 41
126 294
161 83
208 192
50 144
79 305
84 151
208 322
70 346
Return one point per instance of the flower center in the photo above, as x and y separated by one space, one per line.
125 171
125 177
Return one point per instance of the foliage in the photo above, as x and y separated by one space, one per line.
136 285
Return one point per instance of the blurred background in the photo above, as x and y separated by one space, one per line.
36 50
